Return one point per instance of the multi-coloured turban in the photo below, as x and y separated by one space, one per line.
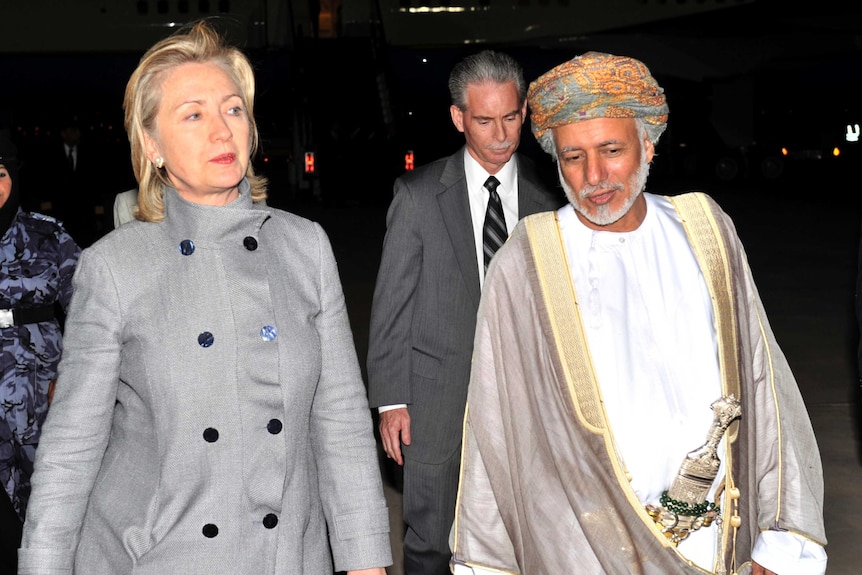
597 85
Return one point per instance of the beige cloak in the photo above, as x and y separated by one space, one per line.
542 490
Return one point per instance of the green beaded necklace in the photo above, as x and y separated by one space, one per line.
683 508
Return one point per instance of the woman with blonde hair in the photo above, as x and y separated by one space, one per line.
210 415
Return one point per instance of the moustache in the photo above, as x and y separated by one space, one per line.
591 189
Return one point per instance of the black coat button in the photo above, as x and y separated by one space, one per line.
250 243
206 339
210 435
187 247
270 520
210 530
274 426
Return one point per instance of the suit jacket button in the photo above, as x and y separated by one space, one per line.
187 247
270 520
210 530
250 243
210 435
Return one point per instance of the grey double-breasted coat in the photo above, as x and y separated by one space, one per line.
210 415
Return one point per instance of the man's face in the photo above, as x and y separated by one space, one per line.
491 123
603 165
5 185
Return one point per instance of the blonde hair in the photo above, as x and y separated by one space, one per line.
197 43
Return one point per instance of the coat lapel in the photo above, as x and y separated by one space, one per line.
529 196
455 208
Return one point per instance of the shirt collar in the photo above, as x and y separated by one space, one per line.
476 173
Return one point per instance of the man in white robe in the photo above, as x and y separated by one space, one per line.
605 332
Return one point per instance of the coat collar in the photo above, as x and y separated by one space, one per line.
213 224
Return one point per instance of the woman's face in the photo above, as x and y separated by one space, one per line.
5 185
202 133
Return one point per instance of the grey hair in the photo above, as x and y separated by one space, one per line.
652 132
486 66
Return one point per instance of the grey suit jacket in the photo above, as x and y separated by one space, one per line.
210 415
426 297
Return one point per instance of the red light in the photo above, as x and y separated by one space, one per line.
309 162
408 160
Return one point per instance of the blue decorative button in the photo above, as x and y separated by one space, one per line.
210 530
270 520
250 243
274 426
206 339
268 333
187 247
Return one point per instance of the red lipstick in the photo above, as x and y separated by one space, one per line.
224 159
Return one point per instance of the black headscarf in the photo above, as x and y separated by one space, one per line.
9 159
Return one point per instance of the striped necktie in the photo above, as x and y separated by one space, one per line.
494 231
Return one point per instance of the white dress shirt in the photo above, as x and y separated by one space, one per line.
479 195
74 150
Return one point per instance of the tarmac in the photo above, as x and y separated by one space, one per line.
803 252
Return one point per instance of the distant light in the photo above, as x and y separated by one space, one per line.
432 9
784 151
424 60
852 133
836 152
408 160
309 162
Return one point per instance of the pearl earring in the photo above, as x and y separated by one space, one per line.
159 162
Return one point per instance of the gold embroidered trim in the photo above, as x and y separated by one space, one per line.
709 250
552 268
704 234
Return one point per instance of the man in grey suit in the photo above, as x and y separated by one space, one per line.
431 272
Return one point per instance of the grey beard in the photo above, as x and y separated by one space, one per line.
604 215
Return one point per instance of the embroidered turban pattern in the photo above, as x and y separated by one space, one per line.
597 85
